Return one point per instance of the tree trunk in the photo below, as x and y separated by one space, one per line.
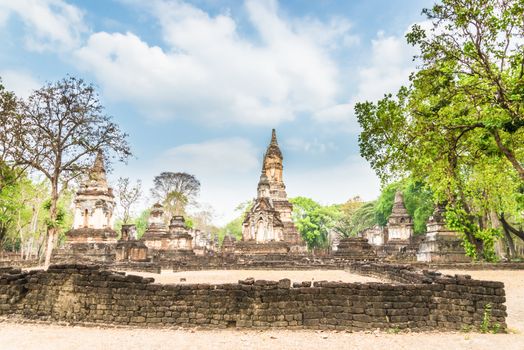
507 226
509 155
511 245
51 229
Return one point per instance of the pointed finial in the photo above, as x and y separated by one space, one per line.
98 171
399 198
274 136
272 149
99 161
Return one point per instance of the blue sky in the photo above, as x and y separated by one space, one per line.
198 85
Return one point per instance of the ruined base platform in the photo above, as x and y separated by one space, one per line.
355 248
254 248
442 248
91 235
95 253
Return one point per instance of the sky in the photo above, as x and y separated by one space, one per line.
198 85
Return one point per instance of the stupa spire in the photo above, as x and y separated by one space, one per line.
272 148
98 171
274 137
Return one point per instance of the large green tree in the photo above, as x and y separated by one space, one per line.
314 221
458 126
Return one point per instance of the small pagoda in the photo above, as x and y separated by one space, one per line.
94 205
440 243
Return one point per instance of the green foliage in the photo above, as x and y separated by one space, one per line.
487 326
418 200
384 204
23 214
457 219
458 127
363 218
347 211
189 223
234 227
141 223
9 187
313 221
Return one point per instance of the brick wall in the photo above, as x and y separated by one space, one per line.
82 294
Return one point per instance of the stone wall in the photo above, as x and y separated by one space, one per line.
82 294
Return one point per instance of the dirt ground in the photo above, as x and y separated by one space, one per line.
16 336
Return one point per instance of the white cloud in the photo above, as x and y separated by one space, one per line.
334 184
50 24
4 14
389 67
215 157
20 82
334 34
311 146
210 72
227 168
391 64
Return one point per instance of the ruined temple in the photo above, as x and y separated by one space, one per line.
269 220
399 241
92 238
441 244
94 205
400 224
167 242
157 229
375 235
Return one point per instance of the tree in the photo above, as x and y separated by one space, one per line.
363 218
234 227
9 107
141 222
347 211
175 191
10 171
203 218
418 200
313 221
127 195
479 44
9 187
58 132
458 126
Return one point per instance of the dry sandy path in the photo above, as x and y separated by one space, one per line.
15 336
51 337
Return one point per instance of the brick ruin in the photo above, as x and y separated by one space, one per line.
441 244
94 204
410 299
397 242
93 240
268 230
268 226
